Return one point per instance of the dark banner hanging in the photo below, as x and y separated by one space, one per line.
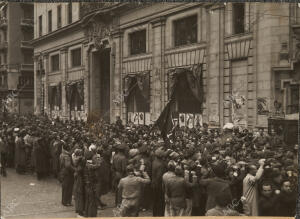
69 92
59 100
141 80
129 85
80 90
194 79
50 95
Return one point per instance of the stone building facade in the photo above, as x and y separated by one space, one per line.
247 54
16 62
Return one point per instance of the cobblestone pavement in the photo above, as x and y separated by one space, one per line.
23 196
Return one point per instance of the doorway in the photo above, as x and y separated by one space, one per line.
104 73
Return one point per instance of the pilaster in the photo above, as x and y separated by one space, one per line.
64 79
158 70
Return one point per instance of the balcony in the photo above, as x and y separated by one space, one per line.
3 23
26 45
3 81
3 46
3 67
26 82
26 67
27 23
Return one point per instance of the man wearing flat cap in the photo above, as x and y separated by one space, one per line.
130 190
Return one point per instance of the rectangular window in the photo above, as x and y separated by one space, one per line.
138 42
76 57
294 106
40 25
69 12
5 35
50 21
28 35
55 62
28 57
28 12
5 12
238 18
5 58
185 31
58 16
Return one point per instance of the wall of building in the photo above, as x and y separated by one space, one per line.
237 68
42 9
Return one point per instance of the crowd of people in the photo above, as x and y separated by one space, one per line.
195 172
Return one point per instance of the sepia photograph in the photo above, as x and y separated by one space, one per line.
149 109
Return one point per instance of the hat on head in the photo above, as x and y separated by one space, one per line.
92 147
143 149
121 146
228 126
159 152
174 155
133 152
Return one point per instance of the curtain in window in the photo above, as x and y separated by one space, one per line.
129 85
143 82
69 92
50 96
194 80
80 89
59 95
137 86
179 79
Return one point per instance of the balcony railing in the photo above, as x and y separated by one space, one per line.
26 67
3 22
27 22
26 45
3 67
293 108
3 80
88 7
26 82
3 45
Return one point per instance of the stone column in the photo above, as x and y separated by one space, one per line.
117 101
37 86
86 58
215 61
158 71
64 80
46 85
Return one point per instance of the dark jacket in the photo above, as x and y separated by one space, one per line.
213 187
177 190
286 204
266 205
158 169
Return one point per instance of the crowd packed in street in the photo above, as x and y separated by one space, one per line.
194 172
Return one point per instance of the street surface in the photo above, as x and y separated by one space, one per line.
23 196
